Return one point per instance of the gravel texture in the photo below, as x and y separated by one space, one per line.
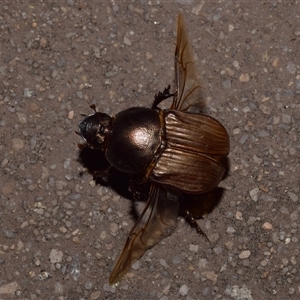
61 232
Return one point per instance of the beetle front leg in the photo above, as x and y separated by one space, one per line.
161 96
139 190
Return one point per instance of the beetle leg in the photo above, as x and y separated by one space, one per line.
193 223
161 96
139 191
104 176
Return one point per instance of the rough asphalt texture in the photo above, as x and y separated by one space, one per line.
61 233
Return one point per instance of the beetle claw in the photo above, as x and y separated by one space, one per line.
161 96
193 223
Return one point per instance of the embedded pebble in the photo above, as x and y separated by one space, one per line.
55 256
22 117
163 263
95 295
211 275
194 248
176 259
58 288
267 226
127 41
9 288
183 290
230 230
286 118
244 254
109 288
244 77
136 265
243 138
226 84
254 194
238 293
291 67
293 196
218 250
202 263
17 144
27 93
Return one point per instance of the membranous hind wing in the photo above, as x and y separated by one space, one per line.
157 221
190 95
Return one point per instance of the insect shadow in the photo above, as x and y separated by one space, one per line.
200 204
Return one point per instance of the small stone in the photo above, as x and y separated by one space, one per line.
229 71
127 41
229 245
243 138
176 260
275 62
27 93
267 226
244 77
218 250
284 210
226 84
33 107
58 288
55 256
202 263
236 131
43 42
109 288
22 117
265 109
239 216
79 94
136 265
211 275
286 118
95 295
244 254
254 194
293 196
17 144
230 27
149 55
71 115
264 263
166 289
236 64
183 290
194 248
196 9
263 133
291 67
294 216
230 230
114 228
9 288
163 263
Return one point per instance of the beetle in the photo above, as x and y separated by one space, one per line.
179 151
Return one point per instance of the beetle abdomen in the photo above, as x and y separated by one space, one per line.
134 140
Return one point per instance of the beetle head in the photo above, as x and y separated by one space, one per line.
95 129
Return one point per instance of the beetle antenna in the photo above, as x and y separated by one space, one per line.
93 107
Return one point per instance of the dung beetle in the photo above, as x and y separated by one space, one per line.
179 151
